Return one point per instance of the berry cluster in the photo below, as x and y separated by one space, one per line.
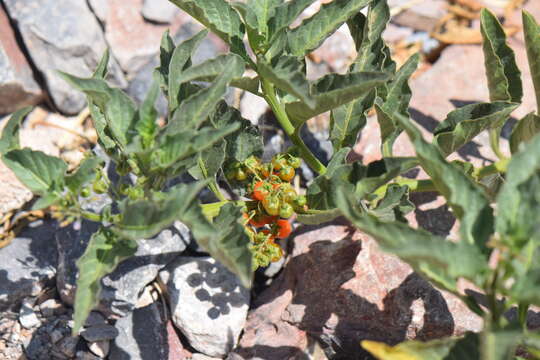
274 202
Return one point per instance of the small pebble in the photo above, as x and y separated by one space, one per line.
99 333
51 307
27 315
100 348
56 335
83 355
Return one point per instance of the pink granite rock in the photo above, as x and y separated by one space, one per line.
339 287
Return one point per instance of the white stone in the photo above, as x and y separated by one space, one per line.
208 303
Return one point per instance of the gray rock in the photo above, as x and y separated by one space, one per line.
422 16
208 303
94 318
142 336
27 315
121 288
199 356
51 307
61 35
27 263
84 355
99 8
68 345
161 11
17 85
99 333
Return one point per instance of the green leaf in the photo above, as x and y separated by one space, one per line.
531 31
174 148
288 75
166 50
468 202
196 109
146 120
463 124
503 75
332 91
179 61
520 196
321 193
442 349
220 18
314 30
145 218
10 133
367 34
316 217
525 290
85 173
45 201
103 253
524 131
264 11
398 95
101 69
209 162
394 205
348 120
382 171
38 171
440 260
244 142
116 107
285 14
231 246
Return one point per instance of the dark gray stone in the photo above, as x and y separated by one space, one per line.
161 11
120 289
143 336
17 85
27 263
99 333
62 35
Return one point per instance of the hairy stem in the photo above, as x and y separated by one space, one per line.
212 185
279 111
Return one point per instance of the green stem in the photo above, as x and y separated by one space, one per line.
523 309
91 216
494 136
495 168
212 185
387 149
279 111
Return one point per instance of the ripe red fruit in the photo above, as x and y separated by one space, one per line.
284 229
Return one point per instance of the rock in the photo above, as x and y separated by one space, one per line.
142 336
99 8
56 335
99 333
176 349
27 263
161 11
133 41
337 51
394 33
216 300
13 194
27 315
17 85
51 307
253 107
68 345
354 292
199 356
94 319
121 289
61 35
422 16
84 355
100 348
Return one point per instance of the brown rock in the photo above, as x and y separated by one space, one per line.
421 16
17 85
134 41
339 287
